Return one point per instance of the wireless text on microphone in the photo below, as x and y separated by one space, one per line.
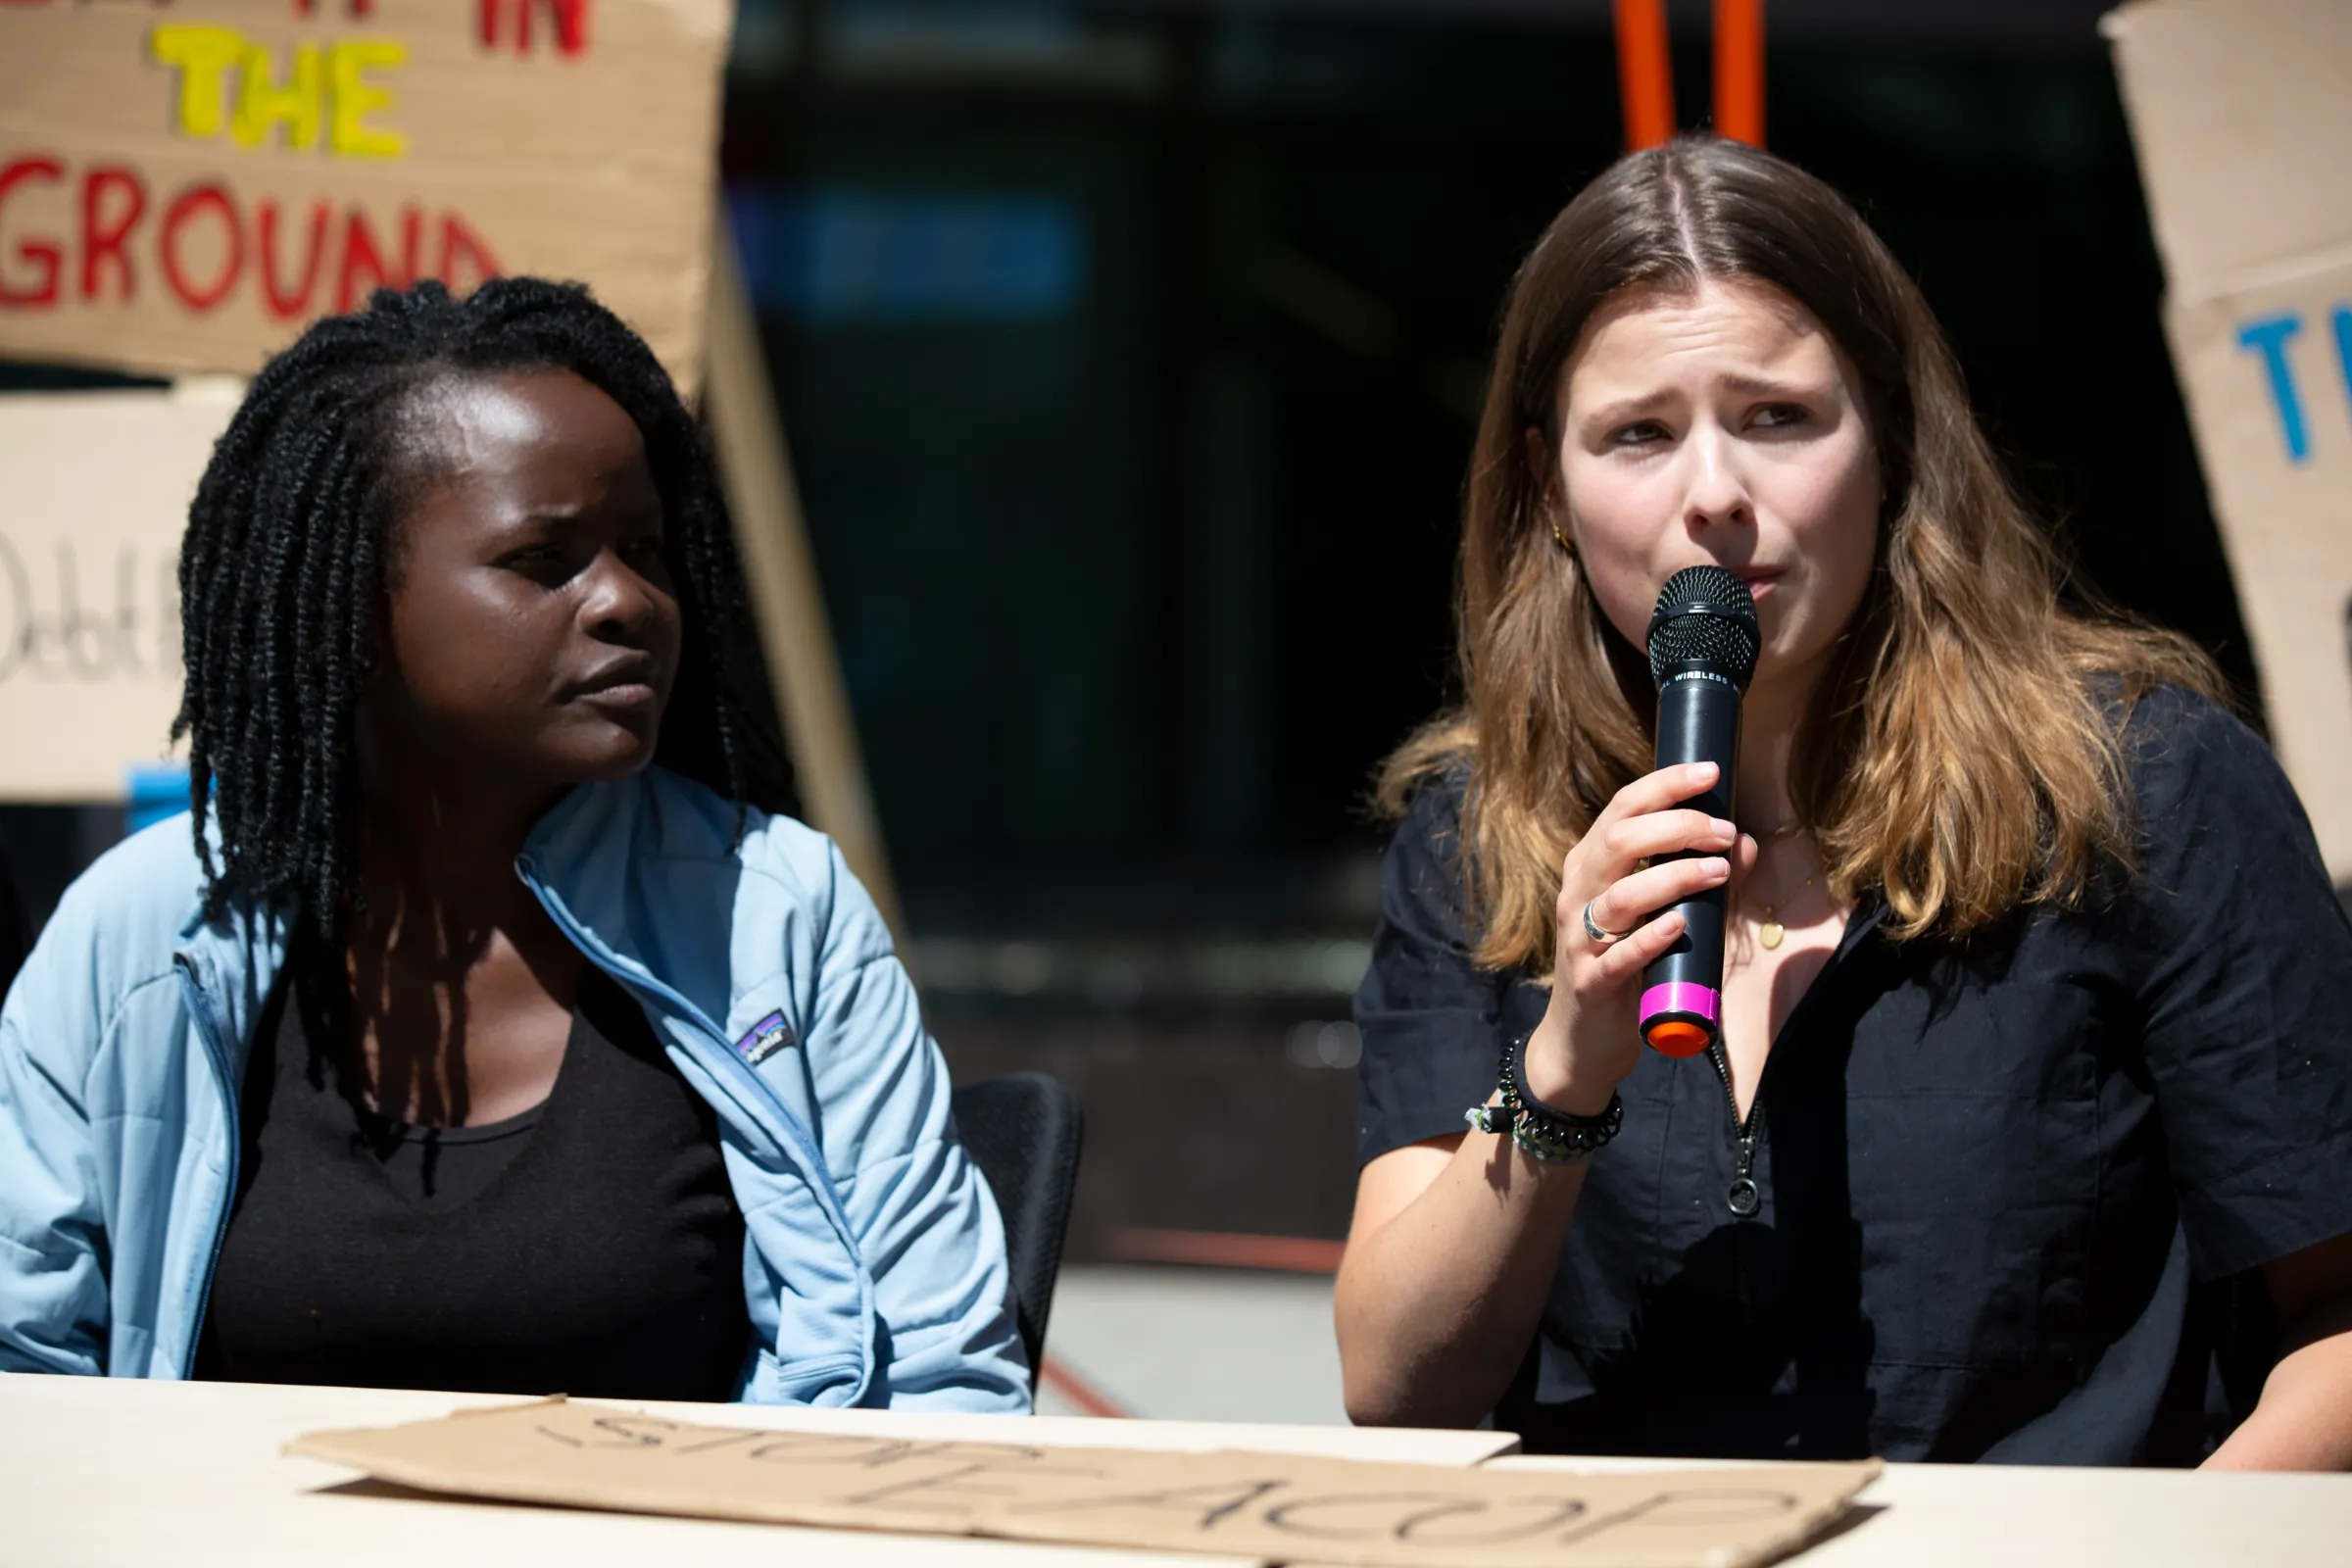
1704 642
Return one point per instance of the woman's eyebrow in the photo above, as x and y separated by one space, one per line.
1759 386
556 515
1624 409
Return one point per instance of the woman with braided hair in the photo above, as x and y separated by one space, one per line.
486 1026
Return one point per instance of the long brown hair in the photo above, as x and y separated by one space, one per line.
1962 755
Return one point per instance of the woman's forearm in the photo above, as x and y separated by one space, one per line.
2304 1419
1453 1249
1436 1307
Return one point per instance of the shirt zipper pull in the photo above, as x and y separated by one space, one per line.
1741 1197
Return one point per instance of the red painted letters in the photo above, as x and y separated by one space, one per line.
41 256
190 203
359 252
462 250
288 305
571 24
208 246
101 235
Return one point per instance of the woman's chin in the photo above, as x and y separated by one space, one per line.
618 752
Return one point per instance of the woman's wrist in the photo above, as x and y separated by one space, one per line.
1553 1078
1543 1133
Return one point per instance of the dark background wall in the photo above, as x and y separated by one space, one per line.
1129 353
1141 557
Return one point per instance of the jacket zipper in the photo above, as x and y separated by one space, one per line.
674 999
200 1009
782 1127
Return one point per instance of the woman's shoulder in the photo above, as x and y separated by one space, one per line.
1424 873
2163 710
1434 804
148 890
2214 812
687 819
782 866
2188 754
117 926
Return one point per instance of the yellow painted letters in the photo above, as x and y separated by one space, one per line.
203 53
330 89
263 102
354 96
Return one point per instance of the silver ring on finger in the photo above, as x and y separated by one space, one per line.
1593 928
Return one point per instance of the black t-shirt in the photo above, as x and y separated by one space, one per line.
590 1245
2012 1189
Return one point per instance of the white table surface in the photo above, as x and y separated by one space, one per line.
95 1471
116 1471
2037 1516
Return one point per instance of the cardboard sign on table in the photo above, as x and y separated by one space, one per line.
184 186
1283 1507
2242 111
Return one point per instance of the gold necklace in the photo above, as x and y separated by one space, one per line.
1770 932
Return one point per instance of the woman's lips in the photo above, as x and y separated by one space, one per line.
625 684
1757 581
622 694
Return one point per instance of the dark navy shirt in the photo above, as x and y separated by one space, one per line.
2012 1189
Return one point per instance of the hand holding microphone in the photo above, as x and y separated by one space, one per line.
1703 643
1616 963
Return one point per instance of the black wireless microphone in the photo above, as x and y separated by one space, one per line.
1704 642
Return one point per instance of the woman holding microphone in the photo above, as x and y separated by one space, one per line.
2034 1102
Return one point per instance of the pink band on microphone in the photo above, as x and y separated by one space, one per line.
1683 996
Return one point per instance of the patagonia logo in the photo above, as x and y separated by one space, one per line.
769 1036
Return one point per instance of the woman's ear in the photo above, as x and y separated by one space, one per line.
1544 466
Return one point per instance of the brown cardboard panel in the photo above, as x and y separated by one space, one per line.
1271 1506
188 132
2268 374
97 493
2242 118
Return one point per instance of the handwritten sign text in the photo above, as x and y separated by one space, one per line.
1273 1507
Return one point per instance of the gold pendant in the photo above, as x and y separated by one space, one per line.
1770 934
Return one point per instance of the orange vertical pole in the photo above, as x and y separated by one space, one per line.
1644 72
1740 71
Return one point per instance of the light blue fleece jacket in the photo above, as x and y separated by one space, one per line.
874 1262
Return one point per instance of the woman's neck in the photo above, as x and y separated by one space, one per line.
436 844
1771 720
461 982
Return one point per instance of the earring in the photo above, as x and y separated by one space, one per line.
1562 540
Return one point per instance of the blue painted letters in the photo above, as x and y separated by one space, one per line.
2269 338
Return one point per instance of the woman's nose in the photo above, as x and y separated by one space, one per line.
1715 493
620 601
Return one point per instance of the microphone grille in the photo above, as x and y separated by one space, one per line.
1706 620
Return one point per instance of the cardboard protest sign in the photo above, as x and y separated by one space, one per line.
97 494
1282 1507
186 184
2243 125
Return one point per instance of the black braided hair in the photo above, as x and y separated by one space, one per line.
282 572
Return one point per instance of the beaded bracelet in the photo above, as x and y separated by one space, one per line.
1554 1137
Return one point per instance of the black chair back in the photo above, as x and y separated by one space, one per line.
1023 1131
16 940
